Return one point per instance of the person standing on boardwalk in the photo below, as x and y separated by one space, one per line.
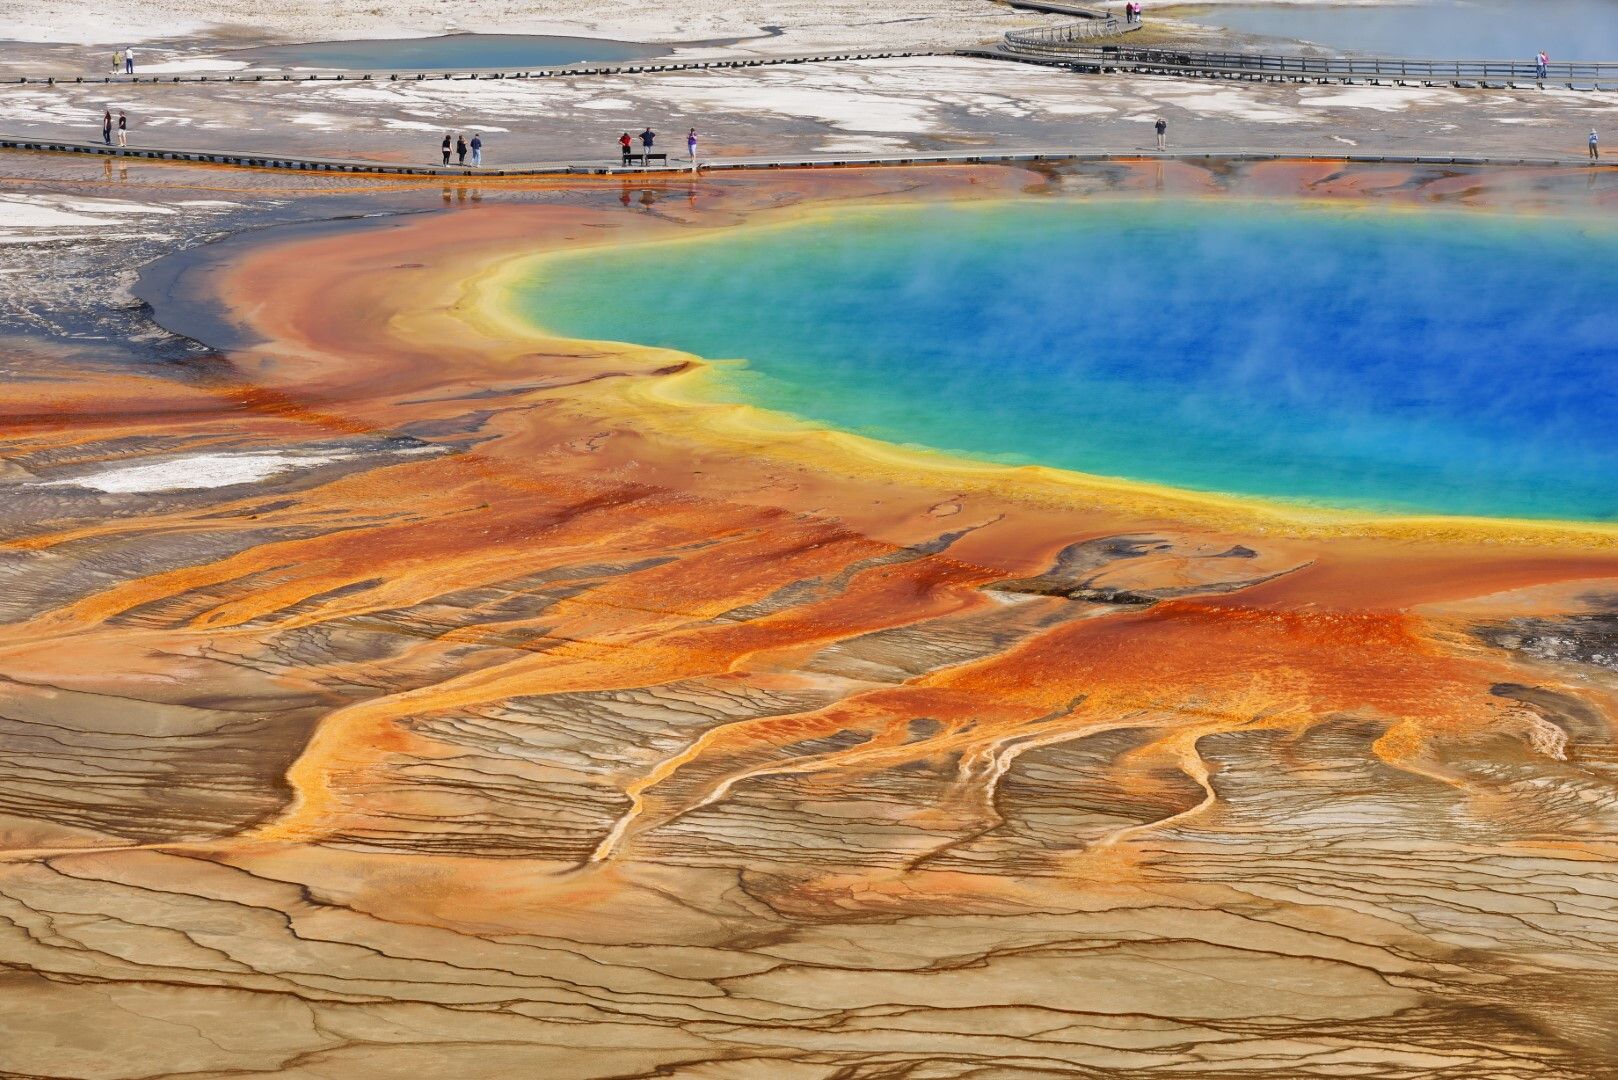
444 146
477 150
129 60
123 129
1595 146
106 127
624 143
646 139
1162 133
1542 63
460 149
117 61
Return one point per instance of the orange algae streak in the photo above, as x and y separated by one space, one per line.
694 559
653 739
1183 671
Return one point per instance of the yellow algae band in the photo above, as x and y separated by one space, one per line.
681 395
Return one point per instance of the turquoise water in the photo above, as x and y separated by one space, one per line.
1369 359
447 53
1445 29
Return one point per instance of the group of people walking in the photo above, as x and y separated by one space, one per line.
648 139
461 147
1131 12
458 146
123 60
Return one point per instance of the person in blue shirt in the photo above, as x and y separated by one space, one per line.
477 149
646 138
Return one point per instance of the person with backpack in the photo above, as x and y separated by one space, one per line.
1595 146
477 150
460 150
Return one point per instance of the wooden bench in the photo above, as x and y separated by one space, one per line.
646 159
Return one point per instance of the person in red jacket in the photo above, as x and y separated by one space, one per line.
624 143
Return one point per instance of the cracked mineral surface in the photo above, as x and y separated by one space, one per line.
389 690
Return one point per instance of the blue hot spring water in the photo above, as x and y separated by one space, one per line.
1375 359
450 51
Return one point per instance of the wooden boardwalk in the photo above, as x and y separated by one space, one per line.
1078 11
1010 155
1052 47
1068 45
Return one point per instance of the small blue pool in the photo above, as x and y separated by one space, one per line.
448 53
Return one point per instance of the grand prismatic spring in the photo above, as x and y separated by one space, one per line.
1142 617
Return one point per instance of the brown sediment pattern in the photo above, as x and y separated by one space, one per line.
530 715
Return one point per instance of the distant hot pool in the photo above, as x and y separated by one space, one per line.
1377 359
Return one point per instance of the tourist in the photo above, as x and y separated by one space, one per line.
477 149
1595 146
123 129
445 148
624 144
460 150
106 127
129 60
1542 63
691 144
117 61
646 138
1162 133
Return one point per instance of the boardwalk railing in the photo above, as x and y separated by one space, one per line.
1046 43
681 170
1056 38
